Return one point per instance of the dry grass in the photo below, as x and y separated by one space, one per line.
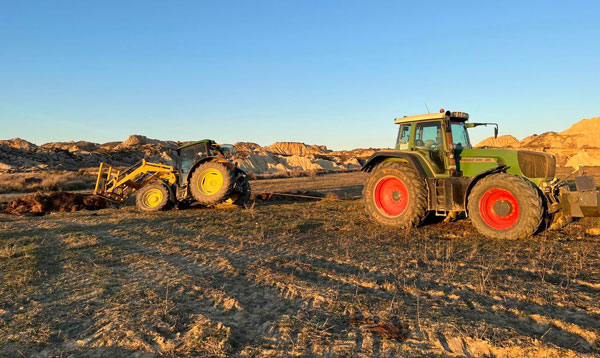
290 279
44 181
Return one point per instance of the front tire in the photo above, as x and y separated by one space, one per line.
395 195
504 206
153 197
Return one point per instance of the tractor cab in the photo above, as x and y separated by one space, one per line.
189 154
435 136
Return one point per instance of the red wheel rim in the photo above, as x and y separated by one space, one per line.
391 196
499 209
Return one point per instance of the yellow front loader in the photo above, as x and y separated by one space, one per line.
202 174
117 186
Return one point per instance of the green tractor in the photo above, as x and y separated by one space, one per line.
508 194
202 173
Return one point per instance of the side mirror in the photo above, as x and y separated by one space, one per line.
473 125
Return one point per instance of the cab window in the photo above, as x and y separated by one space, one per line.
429 136
460 136
187 159
403 137
190 155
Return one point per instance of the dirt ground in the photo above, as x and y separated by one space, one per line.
312 278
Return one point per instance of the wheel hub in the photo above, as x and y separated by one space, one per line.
391 196
152 198
502 208
210 181
499 209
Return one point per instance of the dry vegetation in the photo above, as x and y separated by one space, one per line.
46 181
290 279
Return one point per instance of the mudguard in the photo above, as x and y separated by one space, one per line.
227 163
378 157
498 169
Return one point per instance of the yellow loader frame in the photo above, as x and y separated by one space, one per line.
115 185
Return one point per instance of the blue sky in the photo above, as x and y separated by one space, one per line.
320 72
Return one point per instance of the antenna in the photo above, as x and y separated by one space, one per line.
427 108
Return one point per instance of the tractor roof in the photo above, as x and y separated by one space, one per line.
195 143
455 116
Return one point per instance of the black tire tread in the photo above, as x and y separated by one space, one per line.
167 201
528 197
226 189
415 214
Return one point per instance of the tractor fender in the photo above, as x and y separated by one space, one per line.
478 177
379 157
227 163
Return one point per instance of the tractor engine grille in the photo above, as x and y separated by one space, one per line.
537 165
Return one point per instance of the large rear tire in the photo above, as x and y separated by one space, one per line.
212 183
153 197
395 195
504 206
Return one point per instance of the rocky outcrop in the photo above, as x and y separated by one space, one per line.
584 127
246 146
503 141
580 144
139 140
76 155
70 146
270 163
296 148
584 158
18 143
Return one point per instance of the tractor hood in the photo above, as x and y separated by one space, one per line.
533 165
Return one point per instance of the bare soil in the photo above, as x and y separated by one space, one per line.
282 278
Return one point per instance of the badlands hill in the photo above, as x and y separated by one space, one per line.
580 144
20 155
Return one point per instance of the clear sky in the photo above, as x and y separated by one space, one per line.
320 72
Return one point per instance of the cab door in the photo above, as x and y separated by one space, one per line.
429 140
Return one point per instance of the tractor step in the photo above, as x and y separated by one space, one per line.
445 194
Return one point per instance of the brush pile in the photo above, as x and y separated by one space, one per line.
42 203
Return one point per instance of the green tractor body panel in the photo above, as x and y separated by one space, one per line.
472 162
192 144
